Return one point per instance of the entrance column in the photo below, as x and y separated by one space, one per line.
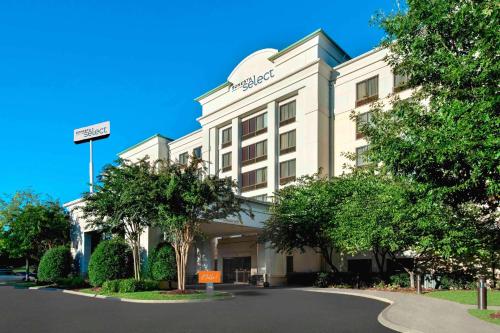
204 255
272 149
235 150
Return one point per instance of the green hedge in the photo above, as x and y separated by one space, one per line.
129 286
161 263
74 282
111 260
55 264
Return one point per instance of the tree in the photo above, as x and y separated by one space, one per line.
302 215
446 136
124 202
29 226
188 198
366 219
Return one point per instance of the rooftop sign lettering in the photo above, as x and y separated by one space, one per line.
253 81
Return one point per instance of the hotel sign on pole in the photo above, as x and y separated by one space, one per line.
89 134
92 132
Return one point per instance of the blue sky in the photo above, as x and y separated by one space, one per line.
139 64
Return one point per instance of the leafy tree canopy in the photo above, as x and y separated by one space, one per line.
302 215
446 135
124 202
188 198
29 226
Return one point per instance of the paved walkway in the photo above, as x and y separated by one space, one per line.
421 314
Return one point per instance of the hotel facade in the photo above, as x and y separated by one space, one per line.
279 116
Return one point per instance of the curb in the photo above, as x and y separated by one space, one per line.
42 287
128 300
382 317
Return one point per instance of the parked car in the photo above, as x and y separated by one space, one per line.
6 270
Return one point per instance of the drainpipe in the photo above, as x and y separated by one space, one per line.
331 122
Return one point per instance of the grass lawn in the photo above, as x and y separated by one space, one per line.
465 296
485 315
155 295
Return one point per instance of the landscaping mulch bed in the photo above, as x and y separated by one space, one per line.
495 315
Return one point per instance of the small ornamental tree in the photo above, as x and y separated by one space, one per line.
161 263
124 202
111 260
55 264
302 215
189 197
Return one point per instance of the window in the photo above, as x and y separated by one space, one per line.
361 156
287 172
262 197
197 152
226 162
367 91
361 120
287 142
400 82
254 153
254 126
226 137
183 158
287 113
253 180
289 264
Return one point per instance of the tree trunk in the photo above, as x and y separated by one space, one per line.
412 279
327 255
27 273
137 261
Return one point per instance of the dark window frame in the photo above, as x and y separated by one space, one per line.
227 143
181 158
252 127
252 175
364 149
399 87
227 167
288 178
291 119
255 159
289 149
368 114
369 99
196 149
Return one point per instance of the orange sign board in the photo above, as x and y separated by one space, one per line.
209 277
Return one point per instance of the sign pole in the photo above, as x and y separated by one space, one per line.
90 134
91 168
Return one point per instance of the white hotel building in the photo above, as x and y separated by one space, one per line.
280 115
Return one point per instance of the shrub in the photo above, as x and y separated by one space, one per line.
148 285
322 280
402 280
55 264
73 282
111 286
130 286
111 260
161 263
455 280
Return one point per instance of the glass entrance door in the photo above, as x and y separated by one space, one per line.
231 265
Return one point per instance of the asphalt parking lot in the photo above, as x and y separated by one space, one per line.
252 310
